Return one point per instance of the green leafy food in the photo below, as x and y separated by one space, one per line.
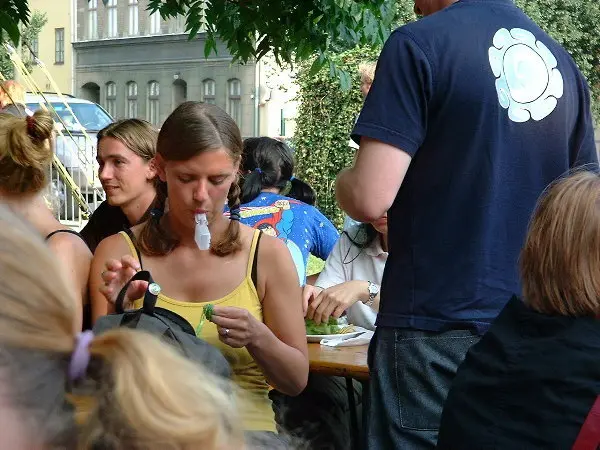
331 327
208 311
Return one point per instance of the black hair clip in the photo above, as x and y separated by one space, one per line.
234 214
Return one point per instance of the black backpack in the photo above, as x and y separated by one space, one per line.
164 323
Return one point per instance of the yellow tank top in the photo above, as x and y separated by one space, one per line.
257 411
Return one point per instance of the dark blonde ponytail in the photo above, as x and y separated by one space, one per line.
25 151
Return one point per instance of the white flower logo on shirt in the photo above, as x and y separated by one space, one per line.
527 79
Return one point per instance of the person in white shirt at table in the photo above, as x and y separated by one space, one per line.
352 276
349 282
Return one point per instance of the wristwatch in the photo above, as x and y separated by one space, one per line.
373 291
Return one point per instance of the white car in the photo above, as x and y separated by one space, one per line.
76 151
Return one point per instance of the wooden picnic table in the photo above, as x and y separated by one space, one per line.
347 362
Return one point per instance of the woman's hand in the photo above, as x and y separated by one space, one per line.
237 327
309 294
335 300
116 275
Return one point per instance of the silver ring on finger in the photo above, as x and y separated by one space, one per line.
226 332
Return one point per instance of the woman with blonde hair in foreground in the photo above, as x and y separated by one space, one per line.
533 380
146 396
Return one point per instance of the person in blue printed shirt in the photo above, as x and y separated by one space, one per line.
473 111
267 203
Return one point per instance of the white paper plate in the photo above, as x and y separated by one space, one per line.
318 337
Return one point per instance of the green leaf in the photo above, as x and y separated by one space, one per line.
10 26
209 45
317 65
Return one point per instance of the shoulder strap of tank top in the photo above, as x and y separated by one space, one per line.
131 241
253 257
63 231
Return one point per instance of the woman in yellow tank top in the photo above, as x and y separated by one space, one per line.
257 319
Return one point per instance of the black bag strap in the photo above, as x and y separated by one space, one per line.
63 231
150 296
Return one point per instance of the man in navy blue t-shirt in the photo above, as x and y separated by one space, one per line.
473 111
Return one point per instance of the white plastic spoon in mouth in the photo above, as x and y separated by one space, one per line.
201 232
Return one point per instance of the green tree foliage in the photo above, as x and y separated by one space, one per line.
573 23
13 13
297 30
291 30
325 119
28 34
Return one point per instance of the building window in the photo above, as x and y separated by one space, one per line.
92 19
59 46
178 23
153 102
132 99
209 91
133 17
155 23
234 100
111 11
111 98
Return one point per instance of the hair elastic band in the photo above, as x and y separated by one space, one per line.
234 214
258 169
30 125
156 213
80 358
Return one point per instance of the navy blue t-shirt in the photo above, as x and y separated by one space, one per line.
491 110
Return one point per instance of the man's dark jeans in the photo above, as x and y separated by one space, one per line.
411 373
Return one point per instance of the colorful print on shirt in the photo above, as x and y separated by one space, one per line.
302 227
